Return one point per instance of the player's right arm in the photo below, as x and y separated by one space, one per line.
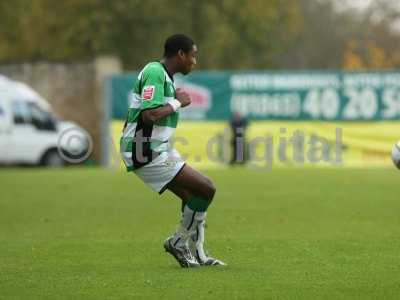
153 106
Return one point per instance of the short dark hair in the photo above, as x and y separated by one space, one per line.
177 42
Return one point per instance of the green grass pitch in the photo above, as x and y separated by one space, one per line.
285 233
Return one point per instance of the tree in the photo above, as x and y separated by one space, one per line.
231 34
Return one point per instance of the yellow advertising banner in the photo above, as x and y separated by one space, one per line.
270 144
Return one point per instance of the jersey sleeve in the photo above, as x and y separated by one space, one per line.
152 93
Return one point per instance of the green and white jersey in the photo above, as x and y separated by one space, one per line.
154 87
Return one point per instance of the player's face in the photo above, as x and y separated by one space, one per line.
189 60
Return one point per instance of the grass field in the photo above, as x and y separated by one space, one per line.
286 234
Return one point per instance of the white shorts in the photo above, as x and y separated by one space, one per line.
159 172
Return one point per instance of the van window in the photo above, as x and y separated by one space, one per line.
41 119
21 112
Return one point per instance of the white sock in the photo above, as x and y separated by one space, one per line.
199 235
186 228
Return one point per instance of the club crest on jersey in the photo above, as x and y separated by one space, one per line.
148 92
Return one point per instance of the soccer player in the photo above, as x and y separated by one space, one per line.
146 150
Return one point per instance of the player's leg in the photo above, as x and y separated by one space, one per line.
197 192
185 186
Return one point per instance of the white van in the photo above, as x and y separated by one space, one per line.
29 132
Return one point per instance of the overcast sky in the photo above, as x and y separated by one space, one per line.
345 4
361 4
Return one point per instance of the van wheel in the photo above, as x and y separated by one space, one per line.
53 159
